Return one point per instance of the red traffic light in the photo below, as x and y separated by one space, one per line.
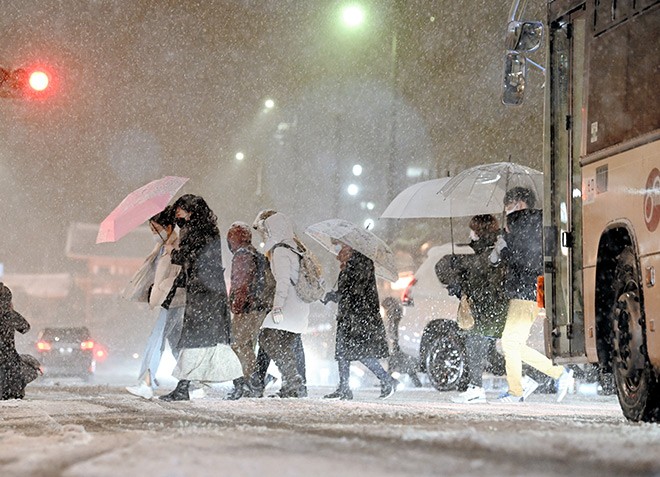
38 80
32 82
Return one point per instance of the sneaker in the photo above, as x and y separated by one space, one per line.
529 386
142 390
198 393
388 388
473 394
507 398
564 383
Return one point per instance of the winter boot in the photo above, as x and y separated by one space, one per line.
387 388
343 394
294 389
180 393
254 386
238 391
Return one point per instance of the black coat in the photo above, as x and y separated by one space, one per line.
523 255
360 328
483 284
12 382
206 321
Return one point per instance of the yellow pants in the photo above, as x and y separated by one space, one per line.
519 321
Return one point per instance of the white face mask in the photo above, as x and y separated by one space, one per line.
473 236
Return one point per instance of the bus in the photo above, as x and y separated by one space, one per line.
602 187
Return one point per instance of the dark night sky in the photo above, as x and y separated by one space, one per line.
153 88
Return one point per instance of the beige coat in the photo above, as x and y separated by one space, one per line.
154 279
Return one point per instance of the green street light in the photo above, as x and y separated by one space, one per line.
353 15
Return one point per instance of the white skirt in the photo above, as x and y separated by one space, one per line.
214 365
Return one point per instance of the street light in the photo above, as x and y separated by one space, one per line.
269 104
352 15
240 156
357 170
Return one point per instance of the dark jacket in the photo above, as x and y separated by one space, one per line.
523 255
360 328
12 381
206 321
483 284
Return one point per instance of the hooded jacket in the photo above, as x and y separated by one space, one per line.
285 265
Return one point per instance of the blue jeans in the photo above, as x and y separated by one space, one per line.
167 327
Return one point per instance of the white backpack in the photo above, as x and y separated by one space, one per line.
310 286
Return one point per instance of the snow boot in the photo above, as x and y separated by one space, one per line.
239 390
180 393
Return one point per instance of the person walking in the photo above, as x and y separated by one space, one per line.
520 252
252 289
281 329
472 277
205 354
360 329
13 377
167 328
398 360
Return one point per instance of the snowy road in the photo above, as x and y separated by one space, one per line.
71 430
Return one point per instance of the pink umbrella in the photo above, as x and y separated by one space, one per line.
139 206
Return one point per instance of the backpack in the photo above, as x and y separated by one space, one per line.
310 286
263 287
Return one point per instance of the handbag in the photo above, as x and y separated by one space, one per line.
140 285
464 316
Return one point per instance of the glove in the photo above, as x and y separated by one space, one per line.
500 245
277 315
332 295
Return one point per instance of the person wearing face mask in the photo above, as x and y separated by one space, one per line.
473 277
167 328
520 252
205 356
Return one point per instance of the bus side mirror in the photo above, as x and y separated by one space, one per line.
514 78
523 36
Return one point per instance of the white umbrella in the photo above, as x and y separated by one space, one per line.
424 200
358 239
487 184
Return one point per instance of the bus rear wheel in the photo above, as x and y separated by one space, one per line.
637 385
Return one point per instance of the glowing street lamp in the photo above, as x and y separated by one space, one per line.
357 170
353 190
269 104
353 16
240 156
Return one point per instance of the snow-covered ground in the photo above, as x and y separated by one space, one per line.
67 429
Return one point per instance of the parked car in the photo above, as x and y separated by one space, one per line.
67 352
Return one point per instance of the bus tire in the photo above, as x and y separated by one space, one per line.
637 385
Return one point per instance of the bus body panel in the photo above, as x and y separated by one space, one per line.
623 190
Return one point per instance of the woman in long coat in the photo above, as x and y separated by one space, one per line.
360 329
206 321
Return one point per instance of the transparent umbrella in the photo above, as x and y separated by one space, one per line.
359 239
487 184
